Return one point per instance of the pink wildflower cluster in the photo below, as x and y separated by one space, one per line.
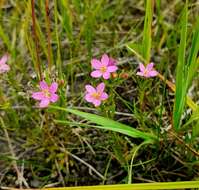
102 68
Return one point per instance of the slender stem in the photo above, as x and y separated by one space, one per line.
186 145
58 60
48 35
20 176
36 39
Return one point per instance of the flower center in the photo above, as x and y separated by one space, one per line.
96 95
146 72
46 93
103 69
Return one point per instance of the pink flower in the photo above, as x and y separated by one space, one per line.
147 71
103 67
97 95
47 94
3 66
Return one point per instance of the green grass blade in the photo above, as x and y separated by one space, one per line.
180 92
108 124
146 43
5 39
143 186
193 62
67 21
194 117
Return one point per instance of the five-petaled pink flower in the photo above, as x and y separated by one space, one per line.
47 94
147 71
103 67
3 66
95 96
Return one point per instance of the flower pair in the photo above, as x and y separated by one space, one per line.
102 68
48 94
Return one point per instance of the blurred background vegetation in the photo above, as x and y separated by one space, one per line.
52 154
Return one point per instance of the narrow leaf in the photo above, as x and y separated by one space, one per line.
108 124
180 92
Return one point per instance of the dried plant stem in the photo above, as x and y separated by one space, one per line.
36 39
48 35
63 149
186 145
21 180
60 174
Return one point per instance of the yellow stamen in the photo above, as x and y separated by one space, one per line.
146 72
103 69
46 93
96 95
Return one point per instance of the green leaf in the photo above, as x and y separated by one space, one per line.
108 124
146 43
138 186
67 19
180 92
193 62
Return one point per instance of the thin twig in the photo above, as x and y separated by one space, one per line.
60 174
83 162
186 145
21 180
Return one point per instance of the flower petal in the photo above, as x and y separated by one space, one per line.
38 95
140 74
96 64
104 96
96 74
100 87
53 87
141 67
112 62
4 68
153 73
54 97
43 85
149 67
4 59
106 75
44 103
90 88
112 69
105 60
89 98
96 102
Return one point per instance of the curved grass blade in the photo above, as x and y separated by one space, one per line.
108 124
139 186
